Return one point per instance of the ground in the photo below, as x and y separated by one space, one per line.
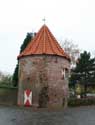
71 116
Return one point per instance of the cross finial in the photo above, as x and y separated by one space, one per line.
44 20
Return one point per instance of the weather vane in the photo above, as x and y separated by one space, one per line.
44 20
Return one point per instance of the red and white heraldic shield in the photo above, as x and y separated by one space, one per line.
27 97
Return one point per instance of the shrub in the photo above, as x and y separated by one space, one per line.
81 102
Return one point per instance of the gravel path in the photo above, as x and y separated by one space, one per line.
71 116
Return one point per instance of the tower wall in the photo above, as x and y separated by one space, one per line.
44 71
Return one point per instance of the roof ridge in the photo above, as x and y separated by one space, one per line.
44 39
50 42
38 43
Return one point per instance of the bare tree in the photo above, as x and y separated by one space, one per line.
5 79
71 49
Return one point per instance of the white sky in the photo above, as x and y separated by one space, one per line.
67 19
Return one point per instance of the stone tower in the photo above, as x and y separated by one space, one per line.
43 71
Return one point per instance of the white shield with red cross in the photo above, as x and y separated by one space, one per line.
27 97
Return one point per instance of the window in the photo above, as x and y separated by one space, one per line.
65 73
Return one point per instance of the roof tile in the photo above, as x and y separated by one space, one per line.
44 43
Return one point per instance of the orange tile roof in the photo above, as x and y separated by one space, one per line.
44 43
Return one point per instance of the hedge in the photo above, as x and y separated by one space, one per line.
81 102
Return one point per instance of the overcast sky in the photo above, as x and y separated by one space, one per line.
67 19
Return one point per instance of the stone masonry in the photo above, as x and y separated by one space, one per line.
39 71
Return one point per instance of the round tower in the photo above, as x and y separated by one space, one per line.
43 72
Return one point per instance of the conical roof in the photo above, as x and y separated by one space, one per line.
44 43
